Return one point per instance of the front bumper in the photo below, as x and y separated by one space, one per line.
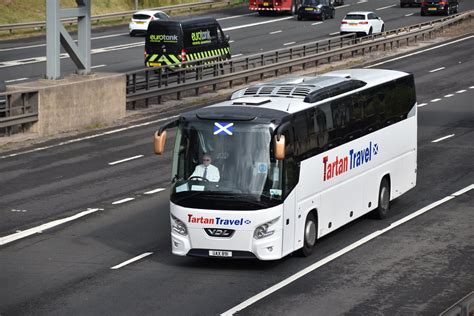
242 244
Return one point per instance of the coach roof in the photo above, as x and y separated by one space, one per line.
283 96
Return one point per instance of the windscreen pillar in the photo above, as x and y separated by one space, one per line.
57 35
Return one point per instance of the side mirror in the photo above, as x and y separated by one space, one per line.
227 38
279 147
160 140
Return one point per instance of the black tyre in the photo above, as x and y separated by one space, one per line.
299 18
383 28
448 11
423 13
323 16
384 200
310 235
333 13
293 7
370 31
132 34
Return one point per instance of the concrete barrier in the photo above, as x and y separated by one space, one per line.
76 102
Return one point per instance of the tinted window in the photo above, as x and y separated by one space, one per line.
355 17
140 16
311 2
372 16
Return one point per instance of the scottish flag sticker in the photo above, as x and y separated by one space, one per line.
223 128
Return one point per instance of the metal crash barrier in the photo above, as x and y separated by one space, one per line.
464 307
18 109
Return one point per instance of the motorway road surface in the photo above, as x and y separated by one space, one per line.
419 267
114 51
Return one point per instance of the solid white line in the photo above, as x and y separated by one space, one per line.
98 66
448 95
41 228
362 1
255 24
435 100
291 43
89 137
437 69
131 260
461 91
275 32
389 6
422 104
336 255
155 191
409 14
421 51
124 160
123 201
15 80
442 138
462 191
236 16
317 23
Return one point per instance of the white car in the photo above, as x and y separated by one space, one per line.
362 23
140 20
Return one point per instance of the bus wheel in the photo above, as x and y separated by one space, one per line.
384 200
310 235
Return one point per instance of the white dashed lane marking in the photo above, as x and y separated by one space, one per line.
387 7
435 100
291 43
461 91
155 191
15 80
422 104
317 23
409 14
146 254
442 138
125 160
123 201
448 95
437 69
276 32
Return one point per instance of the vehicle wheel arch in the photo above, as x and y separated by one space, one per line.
306 250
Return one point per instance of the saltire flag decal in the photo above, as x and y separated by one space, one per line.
223 128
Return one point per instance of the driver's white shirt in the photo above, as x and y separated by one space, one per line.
212 173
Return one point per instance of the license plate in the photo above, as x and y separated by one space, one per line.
220 253
353 24
309 9
140 22
432 9
265 4
154 64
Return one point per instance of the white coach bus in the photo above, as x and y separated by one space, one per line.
290 161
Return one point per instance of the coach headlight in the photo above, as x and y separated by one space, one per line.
178 226
265 230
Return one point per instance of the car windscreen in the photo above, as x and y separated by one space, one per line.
355 17
200 36
140 17
163 37
311 2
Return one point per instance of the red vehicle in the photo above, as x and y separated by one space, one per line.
266 6
290 6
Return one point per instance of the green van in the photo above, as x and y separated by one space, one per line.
171 42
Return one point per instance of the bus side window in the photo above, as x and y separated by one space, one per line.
300 134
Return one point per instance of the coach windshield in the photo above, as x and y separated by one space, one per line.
225 165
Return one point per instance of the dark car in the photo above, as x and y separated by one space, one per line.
445 7
410 3
320 9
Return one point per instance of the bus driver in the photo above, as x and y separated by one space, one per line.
206 170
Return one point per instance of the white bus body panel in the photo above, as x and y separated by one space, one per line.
268 248
393 152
